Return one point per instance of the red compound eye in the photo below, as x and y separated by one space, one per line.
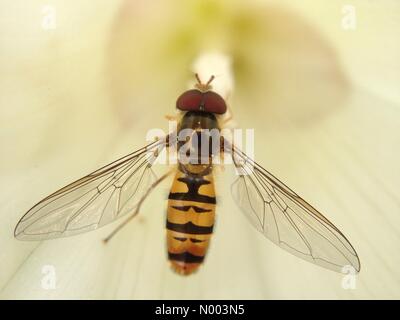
190 100
214 103
195 100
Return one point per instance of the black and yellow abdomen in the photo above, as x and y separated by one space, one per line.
190 220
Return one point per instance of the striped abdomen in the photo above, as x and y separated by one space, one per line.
190 220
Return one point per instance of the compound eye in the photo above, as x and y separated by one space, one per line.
190 100
214 103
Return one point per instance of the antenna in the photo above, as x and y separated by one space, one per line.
204 86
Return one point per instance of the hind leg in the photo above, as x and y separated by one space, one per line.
134 214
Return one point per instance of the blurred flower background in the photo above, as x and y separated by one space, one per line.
82 82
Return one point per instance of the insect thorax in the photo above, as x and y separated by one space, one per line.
198 141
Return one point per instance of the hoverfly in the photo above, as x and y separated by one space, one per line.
121 187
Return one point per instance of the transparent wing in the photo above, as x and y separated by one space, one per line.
286 219
94 200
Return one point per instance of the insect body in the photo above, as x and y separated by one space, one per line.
191 204
121 187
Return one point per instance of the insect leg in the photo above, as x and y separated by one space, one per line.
151 188
228 120
171 117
